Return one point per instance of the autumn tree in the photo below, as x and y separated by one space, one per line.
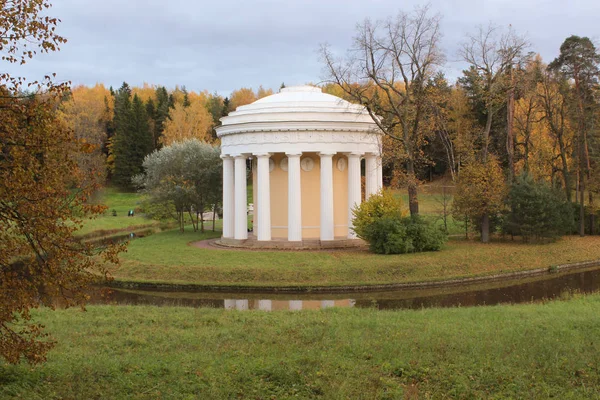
553 97
386 71
193 121
579 60
42 199
86 112
491 54
262 92
241 97
480 192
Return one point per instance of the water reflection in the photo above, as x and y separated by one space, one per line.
516 291
272 305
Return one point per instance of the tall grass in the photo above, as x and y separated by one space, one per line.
527 351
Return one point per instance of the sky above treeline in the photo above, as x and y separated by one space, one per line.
221 46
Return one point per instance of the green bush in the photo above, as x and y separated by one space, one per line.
381 223
536 210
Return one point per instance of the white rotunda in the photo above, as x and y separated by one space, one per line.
306 149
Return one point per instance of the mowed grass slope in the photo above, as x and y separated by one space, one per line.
525 351
167 257
121 203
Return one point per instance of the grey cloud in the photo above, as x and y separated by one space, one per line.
220 46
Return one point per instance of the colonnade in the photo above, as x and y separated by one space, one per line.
235 219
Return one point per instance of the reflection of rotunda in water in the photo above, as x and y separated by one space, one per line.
274 305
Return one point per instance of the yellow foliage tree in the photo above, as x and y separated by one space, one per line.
480 192
145 92
87 112
187 123
241 97
262 92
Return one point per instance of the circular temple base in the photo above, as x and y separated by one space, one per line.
282 244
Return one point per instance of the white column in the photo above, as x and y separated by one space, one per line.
353 188
228 208
326 196
379 173
240 196
370 175
263 194
294 198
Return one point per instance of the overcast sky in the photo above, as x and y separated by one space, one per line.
223 45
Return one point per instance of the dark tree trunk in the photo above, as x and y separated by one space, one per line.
485 229
413 199
581 201
486 133
510 140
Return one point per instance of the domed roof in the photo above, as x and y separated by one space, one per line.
297 108
304 97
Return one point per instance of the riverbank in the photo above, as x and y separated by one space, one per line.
535 351
166 260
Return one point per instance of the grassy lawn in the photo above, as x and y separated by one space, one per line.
167 257
527 351
121 203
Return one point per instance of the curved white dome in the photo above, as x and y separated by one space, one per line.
299 118
299 107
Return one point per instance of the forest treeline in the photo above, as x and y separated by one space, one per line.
124 125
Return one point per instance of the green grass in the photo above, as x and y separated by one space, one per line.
167 257
121 203
527 351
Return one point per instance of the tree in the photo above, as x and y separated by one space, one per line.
241 97
193 121
132 140
386 71
554 100
86 113
381 222
42 202
480 192
161 115
536 210
491 54
579 60
262 92
217 108
185 176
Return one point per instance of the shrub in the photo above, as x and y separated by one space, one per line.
536 210
381 222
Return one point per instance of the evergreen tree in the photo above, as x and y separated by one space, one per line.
161 113
186 97
226 106
142 141
132 138
119 142
536 210
216 106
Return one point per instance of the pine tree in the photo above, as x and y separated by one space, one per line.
132 140
186 98
120 141
163 105
142 143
